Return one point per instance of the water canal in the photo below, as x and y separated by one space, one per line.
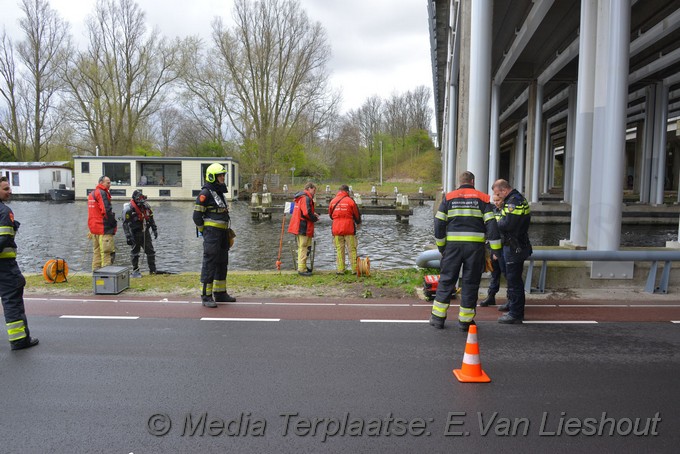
51 230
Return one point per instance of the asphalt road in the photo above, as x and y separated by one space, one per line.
164 380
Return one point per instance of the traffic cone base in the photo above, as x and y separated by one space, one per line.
471 370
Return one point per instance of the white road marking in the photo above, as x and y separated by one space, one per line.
226 319
393 321
570 322
102 317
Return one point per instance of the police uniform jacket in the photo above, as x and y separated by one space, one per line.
515 220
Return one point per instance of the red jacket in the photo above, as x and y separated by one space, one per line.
345 214
100 217
303 218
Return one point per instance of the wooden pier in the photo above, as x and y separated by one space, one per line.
261 207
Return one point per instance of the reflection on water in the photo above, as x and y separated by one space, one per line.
60 230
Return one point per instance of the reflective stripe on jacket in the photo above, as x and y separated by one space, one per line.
465 215
515 220
211 208
8 247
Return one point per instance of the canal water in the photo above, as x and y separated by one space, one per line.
50 230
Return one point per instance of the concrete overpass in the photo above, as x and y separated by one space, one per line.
575 99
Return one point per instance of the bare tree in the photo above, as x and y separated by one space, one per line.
168 122
276 59
11 115
118 82
43 52
420 112
206 85
396 117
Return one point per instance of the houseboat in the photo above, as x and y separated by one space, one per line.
36 180
160 178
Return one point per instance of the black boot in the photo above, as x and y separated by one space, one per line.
208 301
223 297
465 326
436 321
26 342
489 301
152 264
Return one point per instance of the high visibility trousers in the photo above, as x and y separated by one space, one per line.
103 251
342 242
12 284
304 244
469 257
215 261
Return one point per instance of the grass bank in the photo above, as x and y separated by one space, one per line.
400 283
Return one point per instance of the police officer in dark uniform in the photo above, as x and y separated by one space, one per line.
464 222
497 262
12 282
137 221
211 216
514 227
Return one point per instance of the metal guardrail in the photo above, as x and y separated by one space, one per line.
431 259
655 257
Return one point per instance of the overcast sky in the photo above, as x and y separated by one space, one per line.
379 47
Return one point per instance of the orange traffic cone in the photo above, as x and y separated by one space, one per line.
471 370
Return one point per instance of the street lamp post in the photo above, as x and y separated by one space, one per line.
292 176
381 163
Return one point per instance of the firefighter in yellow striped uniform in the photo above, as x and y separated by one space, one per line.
464 222
211 216
12 282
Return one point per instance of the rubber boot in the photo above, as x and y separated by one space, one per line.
489 301
465 326
208 301
152 263
26 342
223 297
436 321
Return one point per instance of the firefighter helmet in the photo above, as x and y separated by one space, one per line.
213 170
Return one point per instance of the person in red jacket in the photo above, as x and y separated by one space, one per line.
302 225
345 214
102 224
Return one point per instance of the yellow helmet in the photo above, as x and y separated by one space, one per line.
213 170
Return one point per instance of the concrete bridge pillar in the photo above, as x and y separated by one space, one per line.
610 103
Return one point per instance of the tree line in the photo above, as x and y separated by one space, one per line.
257 90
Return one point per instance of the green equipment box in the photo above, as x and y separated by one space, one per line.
110 280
